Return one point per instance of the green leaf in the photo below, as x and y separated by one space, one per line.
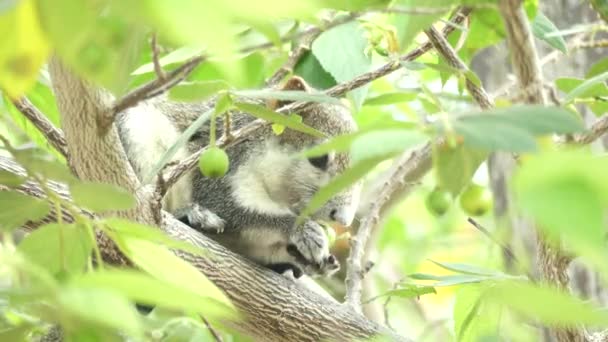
341 51
274 117
100 307
145 289
176 56
597 68
10 179
567 84
143 232
548 305
474 318
196 91
488 136
164 265
406 291
567 194
181 141
390 98
455 166
585 86
384 143
44 166
410 25
100 197
467 269
287 95
310 69
542 26
223 104
58 247
339 183
451 280
601 7
16 209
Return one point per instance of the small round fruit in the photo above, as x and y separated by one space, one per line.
476 200
438 202
213 163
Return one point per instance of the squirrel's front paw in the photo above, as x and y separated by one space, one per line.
309 245
202 219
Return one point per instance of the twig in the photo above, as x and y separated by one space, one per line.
149 90
173 174
214 333
598 129
52 134
505 249
445 49
294 57
410 166
158 69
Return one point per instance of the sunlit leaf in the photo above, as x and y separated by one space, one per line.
597 68
287 95
455 166
274 117
176 56
390 98
148 290
16 209
548 305
384 143
567 84
410 25
10 179
44 166
196 91
585 86
23 49
467 269
340 50
58 247
101 197
406 291
474 318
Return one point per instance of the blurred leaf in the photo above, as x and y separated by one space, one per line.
455 166
383 144
58 247
164 265
341 51
176 56
597 68
343 142
567 84
601 7
410 25
541 26
474 318
339 183
312 72
567 193
153 234
406 291
100 197
21 61
44 166
223 104
181 141
274 117
450 280
390 98
467 269
585 86
10 179
491 136
548 305
16 209
147 290
101 307
355 5
196 91
287 95
16 334
97 41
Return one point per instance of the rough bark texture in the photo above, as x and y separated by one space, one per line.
276 308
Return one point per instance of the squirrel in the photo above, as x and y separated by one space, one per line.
252 210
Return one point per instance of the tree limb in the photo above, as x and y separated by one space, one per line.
276 308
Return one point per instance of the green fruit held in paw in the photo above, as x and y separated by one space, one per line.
213 163
476 200
438 202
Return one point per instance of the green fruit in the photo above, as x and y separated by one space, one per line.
331 235
213 163
476 200
438 202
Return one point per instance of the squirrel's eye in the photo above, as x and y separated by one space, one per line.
320 162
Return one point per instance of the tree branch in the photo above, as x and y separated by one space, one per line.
52 134
276 308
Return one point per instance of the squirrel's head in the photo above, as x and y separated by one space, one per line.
302 177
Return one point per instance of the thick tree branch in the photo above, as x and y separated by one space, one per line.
52 134
552 262
276 308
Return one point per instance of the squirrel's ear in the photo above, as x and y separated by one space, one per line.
294 83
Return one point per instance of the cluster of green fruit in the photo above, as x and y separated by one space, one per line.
475 200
